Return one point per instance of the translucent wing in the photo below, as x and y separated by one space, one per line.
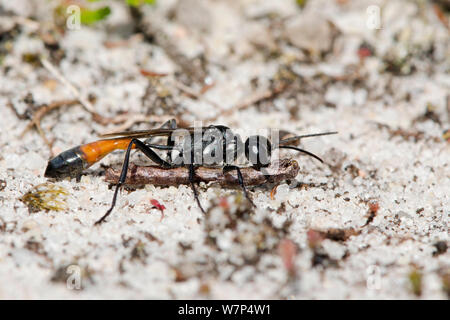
150 133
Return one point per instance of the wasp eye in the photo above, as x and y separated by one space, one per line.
258 151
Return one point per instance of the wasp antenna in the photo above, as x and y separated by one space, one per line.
306 136
301 150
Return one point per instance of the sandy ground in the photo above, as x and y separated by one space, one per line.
371 222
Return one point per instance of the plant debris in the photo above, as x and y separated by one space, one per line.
446 283
2 184
139 175
46 196
441 247
372 212
415 280
319 257
336 234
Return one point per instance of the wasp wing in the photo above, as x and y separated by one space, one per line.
160 132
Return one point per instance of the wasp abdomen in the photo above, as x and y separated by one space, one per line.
72 162
68 163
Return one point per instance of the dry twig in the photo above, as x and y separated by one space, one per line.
127 119
39 114
257 97
139 175
76 93
149 26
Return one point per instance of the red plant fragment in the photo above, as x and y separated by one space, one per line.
364 51
273 192
287 251
148 73
374 207
314 238
158 206
224 203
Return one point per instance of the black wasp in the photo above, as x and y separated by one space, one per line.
214 145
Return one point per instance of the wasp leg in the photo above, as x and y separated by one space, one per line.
172 124
123 175
169 124
192 182
229 168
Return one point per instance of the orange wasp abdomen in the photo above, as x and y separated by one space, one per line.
73 161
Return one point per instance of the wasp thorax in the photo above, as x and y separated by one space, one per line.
258 151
